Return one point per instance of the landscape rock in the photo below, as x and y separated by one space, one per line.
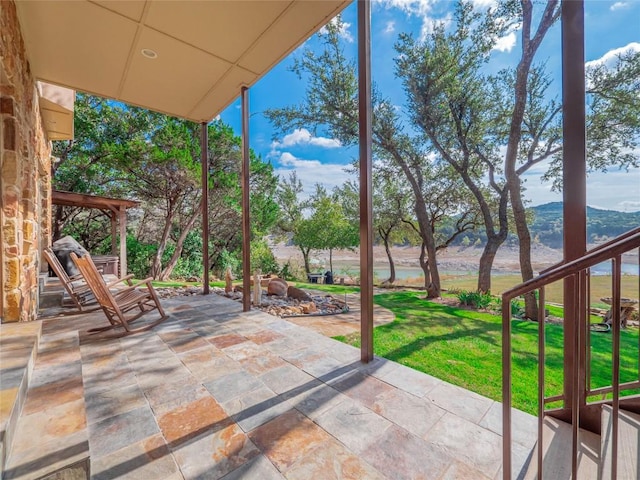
298 294
308 308
277 287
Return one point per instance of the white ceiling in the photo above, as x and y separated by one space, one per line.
207 50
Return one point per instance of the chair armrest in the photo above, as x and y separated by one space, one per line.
123 279
146 281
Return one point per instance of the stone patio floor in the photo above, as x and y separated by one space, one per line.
217 393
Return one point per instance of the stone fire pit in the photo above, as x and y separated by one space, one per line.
296 302
281 306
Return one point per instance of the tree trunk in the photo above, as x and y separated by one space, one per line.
58 223
392 266
486 263
168 269
430 267
305 256
156 265
524 237
331 260
529 48
424 264
494 239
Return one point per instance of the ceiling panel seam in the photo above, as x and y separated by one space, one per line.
215 86
308 34
104 7
134 42
263 33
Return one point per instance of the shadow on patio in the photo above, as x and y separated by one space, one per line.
217 393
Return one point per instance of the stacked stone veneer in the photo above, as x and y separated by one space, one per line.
25 153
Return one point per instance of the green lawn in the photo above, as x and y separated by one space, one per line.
463 347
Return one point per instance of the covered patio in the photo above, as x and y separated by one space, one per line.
215 392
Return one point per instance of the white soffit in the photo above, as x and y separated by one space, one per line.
56 109
206 50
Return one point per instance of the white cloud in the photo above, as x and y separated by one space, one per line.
418 8
506 43
619 6
630 205
484 3
302 136
344 32
610 58
614 190
390 27
310 172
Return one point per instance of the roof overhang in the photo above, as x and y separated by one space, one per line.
56 108
206 50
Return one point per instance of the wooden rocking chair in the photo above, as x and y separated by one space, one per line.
78 290
116 305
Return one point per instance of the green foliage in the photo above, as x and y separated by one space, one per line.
547 223
230 260
139 257
262 257
127 152
480 300
189 264
328 227
286 272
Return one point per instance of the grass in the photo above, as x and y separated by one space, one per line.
463 347
321 287
600 286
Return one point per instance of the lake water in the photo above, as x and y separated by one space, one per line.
404 272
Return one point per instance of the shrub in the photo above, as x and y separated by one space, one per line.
476 299
262 257
139 256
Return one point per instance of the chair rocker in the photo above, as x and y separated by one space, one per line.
118 305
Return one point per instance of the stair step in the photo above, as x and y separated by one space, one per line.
628 444
557 448
18 348
51 437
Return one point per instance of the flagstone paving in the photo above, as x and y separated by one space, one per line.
216 393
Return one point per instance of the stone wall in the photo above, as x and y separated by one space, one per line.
25 153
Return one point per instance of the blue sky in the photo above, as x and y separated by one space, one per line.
609 26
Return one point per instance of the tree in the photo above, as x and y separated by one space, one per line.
391 204
327 228
449 103
454 99
166 177
291 215
331 102
131 152
86 164
225 196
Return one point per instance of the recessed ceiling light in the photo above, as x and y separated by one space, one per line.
147 52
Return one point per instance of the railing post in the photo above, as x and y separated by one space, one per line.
506 388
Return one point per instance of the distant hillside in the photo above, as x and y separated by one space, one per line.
547 226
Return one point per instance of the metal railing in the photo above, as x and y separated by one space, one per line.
580 373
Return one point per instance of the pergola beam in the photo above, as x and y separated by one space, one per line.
114 208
